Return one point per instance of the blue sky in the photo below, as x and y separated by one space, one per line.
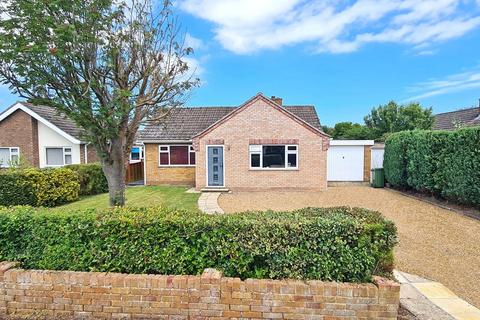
344 57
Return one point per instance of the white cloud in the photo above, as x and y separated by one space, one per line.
246 26
194 43
449 84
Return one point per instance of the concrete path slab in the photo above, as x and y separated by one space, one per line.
208 203
429 300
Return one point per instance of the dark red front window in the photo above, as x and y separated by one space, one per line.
164 158
178 155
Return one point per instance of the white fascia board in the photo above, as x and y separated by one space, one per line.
19 106
352 142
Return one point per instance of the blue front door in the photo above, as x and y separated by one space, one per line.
215 166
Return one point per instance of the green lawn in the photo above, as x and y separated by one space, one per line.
140 196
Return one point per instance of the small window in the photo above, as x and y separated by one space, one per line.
68 155
255 160
9 156
136 154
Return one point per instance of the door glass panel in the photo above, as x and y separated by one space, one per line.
215 160
215 168
215 151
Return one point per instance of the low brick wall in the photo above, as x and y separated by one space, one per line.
84 295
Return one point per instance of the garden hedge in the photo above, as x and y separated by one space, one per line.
38 187
91 177
442 163
340 244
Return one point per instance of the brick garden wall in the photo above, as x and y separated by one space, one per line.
55 294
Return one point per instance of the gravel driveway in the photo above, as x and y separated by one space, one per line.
433 243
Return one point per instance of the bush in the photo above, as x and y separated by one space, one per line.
38 187
340 244
442 163
91 177
395 158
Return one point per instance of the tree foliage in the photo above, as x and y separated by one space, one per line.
392 117
353 131
106 64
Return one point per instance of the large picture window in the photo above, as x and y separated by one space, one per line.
273 156
8 156
176 155
58 156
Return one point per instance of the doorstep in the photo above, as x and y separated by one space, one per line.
215 189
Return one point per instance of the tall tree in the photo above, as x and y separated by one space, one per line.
107 64
349 130
392 117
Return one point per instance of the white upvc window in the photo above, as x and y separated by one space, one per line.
136 154
273 157
9 156
176 155
58 156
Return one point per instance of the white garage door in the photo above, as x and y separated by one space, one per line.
345 163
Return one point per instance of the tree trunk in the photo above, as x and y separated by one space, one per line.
115 171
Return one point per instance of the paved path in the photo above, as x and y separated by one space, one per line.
429 300
208 203
434 243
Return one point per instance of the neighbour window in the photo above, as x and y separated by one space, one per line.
273 157
177 155
9 156
59 156
136 154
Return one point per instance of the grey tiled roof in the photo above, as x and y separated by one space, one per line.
58 119
452 120
184 123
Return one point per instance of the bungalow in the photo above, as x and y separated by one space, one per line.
45 138
42 136
259 145
453 120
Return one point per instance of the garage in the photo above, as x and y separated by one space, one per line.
349 160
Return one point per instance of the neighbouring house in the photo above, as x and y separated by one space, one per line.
259 145
454 120
43 137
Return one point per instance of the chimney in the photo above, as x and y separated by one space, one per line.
277 100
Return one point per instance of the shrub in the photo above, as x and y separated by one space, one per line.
395 158
38 187
442 163
340 244
91 177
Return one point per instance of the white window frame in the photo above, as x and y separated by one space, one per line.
258 149
190 150
65 153
140 157
7 165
